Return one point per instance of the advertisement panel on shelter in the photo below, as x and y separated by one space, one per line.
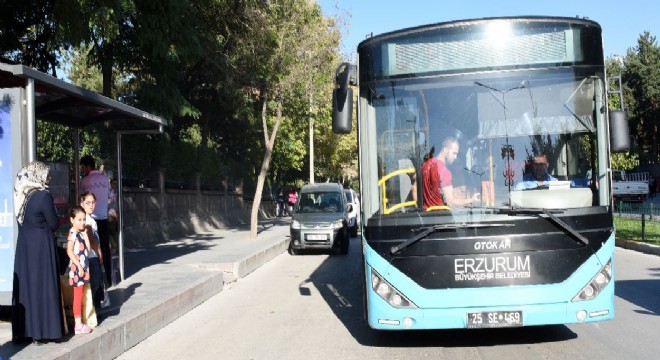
6 197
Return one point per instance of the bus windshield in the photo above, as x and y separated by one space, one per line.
504 120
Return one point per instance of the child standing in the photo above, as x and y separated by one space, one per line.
78 249
88 203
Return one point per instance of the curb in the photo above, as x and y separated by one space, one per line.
136 322
147 313
248 264
638 246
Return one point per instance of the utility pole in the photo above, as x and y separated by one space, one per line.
311 141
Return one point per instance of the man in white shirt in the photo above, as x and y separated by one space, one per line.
98 184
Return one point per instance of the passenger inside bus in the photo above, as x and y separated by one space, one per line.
437 184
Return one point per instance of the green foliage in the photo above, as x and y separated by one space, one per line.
55 142
204 65
625 161
137 157
28 33
641 74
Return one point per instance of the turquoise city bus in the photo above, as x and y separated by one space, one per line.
507 91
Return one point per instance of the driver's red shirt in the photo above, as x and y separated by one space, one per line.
435 176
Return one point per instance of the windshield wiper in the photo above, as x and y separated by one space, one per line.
428 231
550 214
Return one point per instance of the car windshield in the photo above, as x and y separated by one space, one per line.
320 202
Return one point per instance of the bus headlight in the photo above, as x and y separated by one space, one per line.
597 283
388 293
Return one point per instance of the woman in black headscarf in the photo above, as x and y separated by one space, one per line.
37 312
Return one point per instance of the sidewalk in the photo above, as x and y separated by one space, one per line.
161 284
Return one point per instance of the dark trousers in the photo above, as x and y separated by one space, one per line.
105 248
95 281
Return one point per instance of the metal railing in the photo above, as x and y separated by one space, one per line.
637 209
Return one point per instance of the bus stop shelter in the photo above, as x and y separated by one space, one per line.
27 95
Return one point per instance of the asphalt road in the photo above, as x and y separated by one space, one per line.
309 307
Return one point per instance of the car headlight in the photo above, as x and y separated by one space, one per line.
295 224
338 224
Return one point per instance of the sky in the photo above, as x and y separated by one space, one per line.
622 21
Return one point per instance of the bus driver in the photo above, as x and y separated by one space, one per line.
538 176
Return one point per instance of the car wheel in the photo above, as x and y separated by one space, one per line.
292 250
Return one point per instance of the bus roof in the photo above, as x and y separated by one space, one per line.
447 24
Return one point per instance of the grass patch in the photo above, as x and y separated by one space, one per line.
631 229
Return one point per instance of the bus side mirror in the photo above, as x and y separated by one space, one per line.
619 135
342 99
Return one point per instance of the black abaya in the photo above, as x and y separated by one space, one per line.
37 312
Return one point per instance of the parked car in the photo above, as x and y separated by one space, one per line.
320 219
353 198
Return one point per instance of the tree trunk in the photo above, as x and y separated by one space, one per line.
265 164
106 69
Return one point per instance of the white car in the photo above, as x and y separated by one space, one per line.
353 198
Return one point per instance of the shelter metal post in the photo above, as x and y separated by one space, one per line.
120 224
31 121
76 163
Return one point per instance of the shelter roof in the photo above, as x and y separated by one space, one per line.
67 104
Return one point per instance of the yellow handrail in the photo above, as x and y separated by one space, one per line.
437 207
382 183
400 205
395 173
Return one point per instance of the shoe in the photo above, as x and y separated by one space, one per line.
82 329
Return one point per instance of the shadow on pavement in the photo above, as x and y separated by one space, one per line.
343 294
138 259
636 292
118 297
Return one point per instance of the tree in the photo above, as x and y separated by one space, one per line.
28 34
298 38
238 80
641 74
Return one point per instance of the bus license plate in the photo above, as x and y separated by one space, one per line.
317 237
494 319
